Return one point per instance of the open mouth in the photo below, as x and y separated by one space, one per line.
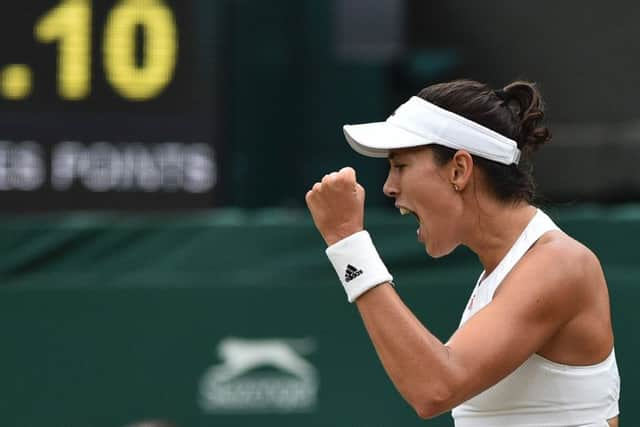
405 211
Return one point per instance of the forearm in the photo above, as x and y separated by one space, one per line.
416 361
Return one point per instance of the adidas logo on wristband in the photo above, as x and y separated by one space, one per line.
351 273
358 249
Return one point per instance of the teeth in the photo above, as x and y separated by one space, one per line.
404 211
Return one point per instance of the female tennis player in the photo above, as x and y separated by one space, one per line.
535 344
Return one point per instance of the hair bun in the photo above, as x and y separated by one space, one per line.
525 100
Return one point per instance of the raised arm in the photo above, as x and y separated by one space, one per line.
544 293
532 305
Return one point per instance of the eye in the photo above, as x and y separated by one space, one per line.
398 166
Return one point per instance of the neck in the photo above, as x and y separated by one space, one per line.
495 229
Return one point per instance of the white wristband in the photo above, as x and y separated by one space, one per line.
358 264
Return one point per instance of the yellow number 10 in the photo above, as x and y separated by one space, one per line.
69 24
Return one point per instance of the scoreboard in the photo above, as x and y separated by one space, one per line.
109 105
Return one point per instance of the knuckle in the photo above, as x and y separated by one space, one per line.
329 178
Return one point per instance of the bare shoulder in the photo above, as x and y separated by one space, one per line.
566 289
566 256
557 269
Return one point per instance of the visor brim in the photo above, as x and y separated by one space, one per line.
378 138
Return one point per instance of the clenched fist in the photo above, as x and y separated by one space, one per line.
337 205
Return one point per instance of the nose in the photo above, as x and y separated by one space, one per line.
390 187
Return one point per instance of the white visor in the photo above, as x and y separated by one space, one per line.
419 122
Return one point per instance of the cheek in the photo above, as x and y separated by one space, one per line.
447 218
438 202
434 197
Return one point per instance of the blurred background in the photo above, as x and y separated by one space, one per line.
158 265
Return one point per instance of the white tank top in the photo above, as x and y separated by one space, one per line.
540 393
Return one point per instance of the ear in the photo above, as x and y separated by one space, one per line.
461 169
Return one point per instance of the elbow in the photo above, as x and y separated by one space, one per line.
428 410
434 403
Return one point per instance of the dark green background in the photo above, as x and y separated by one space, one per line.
109 319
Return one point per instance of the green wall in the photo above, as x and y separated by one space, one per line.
109 319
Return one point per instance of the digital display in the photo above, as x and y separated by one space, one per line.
108 105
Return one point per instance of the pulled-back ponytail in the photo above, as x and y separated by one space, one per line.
525 98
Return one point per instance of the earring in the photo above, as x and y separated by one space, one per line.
455 187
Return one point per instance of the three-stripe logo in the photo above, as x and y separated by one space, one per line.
351 273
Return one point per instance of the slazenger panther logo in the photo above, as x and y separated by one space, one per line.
260 375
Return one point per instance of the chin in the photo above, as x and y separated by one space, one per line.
437 252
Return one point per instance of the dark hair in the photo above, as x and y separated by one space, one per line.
516 111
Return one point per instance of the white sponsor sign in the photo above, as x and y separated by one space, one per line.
260 376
